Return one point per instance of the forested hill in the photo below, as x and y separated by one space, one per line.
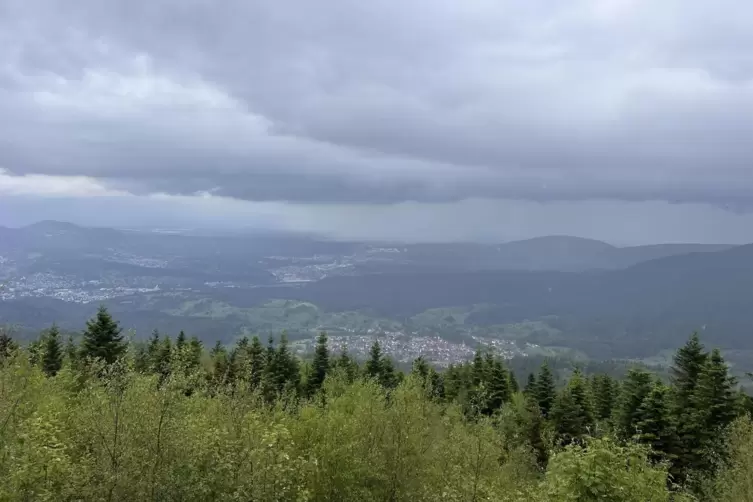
669 296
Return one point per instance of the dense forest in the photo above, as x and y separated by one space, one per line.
104 418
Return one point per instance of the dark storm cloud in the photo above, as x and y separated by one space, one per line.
342 101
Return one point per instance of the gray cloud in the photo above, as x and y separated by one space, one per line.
342 101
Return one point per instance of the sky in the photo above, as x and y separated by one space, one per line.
420 120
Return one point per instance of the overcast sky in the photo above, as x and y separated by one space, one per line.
625 120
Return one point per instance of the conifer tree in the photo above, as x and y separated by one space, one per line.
102 338
180 341
6 344
319 366
286 367
689 361
52 359
605 393
374 364
255 362
635 388
195 349
153 348
497 388
530 388
347 365
571 412
71 352
545 392
421 368
654 424
715 405
389 377
164 357
514 387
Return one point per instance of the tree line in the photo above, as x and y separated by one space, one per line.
166 419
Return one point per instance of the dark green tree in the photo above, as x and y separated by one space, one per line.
689 361
605 395
655 427
715 405
514 387
255 362
571 412
52 359
635 388
319 366
102 338
195 350
153 350
497 388
389 378
163 363
346 365
530 388
7 345
180 341
374 364
545 392
71 352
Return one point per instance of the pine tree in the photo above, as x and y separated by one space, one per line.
52 360
530 388
102 338
374 364
71 352
545 392
478 370
347 365
255 362
604 392
389 377
654 424
497 388
164 358
571 412
6 344
153 349
195 350
635 388
286 366
514 387
688 364
319 366
715 405
180 341
421 368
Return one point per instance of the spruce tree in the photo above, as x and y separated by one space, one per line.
497 388
52 359
420 368
605 394
571 412
530 388
655 427
180 341
715 405
71 352
6 344
346 365
255 362
195 349
153 349
319 366
689 361
102 338
545 392
389 377
374 364
514 387
286 367
635 388
164 358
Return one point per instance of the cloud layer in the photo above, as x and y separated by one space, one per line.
382 102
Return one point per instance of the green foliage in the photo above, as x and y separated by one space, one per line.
604 470
544 391
319 366
52 359
102 338
635 388
572 412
